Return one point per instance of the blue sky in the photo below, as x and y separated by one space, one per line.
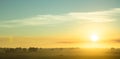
15 9
59 18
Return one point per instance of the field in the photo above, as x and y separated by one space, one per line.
59 53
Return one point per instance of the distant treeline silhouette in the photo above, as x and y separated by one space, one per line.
30 49
35 49
18 50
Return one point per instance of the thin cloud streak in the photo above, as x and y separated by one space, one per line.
67 42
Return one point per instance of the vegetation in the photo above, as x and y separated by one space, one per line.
58 53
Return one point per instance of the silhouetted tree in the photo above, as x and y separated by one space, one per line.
33 49
18 50
9 50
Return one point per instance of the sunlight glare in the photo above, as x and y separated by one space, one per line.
94 37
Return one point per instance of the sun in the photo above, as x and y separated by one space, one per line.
94 37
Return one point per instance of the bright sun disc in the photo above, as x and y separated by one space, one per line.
94 37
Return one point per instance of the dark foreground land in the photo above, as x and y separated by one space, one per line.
59 53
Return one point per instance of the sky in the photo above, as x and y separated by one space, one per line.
59 23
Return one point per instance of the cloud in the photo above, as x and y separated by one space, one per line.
82 17
116 40
4 39
68 42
